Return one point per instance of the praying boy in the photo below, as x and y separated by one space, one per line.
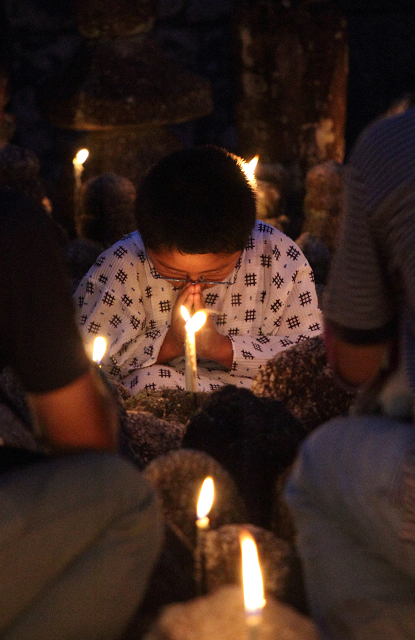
199 245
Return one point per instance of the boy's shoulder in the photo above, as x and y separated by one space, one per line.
266 234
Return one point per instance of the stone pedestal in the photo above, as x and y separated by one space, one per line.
292 74
121 91
323 201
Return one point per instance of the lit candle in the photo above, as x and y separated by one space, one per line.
252 584
78 167
192 325
100 346
204 505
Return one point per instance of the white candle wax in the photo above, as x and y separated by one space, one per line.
192 325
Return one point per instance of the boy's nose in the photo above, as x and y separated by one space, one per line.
194 279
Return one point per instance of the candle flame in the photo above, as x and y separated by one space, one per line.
81 156
251 574
195 322
185 313
249 168
100 346
204 504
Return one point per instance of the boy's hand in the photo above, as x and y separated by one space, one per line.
210 344
173 344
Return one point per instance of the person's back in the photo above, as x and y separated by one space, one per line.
352 490
80 528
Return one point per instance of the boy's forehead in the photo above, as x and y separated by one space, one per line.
189 262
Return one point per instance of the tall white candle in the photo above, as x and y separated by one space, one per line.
192 325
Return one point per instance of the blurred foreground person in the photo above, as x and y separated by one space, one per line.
352 491
79 527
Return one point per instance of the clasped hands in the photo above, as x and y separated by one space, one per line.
210 344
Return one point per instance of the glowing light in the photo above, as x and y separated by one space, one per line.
252 580
81 156
204 504
193 324
185 313
196 322
249 168
100 346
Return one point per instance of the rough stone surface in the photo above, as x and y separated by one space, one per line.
302 380
178 476
172 405
220 616
126 82
323 201
114 18
292 81
143 437
254 439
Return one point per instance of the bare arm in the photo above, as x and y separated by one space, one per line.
81 415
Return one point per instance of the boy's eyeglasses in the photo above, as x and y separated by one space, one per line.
200 280
187 280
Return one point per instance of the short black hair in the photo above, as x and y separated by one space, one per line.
196 200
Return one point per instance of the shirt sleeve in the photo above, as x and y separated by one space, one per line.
287 306
109 302
359 300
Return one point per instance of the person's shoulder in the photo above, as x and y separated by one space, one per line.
386 135
266 233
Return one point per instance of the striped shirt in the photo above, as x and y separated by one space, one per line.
372 282
371 290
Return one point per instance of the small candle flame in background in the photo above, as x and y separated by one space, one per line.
252 580
204 504
249 169
81 156
100 346
78 167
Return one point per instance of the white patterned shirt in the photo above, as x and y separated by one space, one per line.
271 305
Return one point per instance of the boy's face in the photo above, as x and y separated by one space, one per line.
199 267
